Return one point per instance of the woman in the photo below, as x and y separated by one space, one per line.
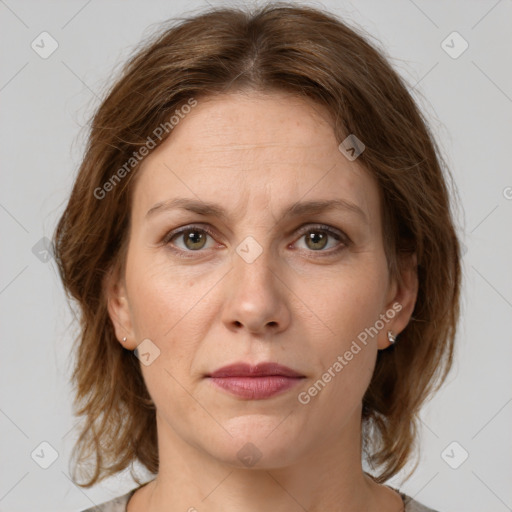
261 244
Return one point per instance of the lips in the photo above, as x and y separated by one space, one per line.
260 370
255 382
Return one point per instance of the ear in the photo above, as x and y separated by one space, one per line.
401 299
119 309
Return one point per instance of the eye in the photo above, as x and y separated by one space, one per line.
316 238
193 237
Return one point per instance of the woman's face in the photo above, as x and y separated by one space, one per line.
265 273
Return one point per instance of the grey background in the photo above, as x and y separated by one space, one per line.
45 102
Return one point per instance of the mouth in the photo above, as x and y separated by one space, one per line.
255 382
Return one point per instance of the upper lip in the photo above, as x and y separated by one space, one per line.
260 370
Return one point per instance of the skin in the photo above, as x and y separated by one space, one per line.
299 304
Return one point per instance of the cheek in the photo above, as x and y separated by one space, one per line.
344 322
347 302
155 306
162 295
172 307
165 306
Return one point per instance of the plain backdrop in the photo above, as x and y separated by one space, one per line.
45 102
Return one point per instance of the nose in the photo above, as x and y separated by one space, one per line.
256 296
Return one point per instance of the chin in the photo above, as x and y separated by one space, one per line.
257 442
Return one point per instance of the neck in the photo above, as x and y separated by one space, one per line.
327 477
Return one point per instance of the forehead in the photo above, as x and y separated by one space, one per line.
261 149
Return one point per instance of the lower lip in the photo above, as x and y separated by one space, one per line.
255 388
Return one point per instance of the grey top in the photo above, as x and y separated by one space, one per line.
120 503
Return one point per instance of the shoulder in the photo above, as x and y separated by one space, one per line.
413 505
116 505
119 504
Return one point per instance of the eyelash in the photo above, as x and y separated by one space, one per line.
337 235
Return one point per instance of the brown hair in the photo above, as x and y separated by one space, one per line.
301 50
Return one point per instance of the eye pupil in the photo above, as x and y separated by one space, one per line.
194 237
317 238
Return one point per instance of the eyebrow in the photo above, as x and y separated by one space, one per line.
295 210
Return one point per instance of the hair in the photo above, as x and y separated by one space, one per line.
284 47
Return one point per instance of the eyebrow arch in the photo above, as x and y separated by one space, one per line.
295 210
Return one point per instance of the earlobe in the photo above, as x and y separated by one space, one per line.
119 311
401 305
